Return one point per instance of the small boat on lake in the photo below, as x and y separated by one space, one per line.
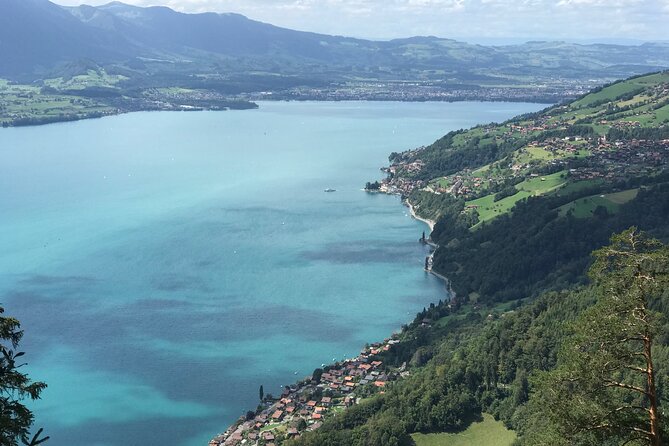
330 190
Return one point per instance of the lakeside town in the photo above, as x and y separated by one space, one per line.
549 92
581 142
577 158
305 405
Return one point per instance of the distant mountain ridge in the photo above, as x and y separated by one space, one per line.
37 37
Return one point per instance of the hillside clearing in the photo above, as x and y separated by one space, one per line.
485 433
585 207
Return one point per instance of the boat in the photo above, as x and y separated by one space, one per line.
330 190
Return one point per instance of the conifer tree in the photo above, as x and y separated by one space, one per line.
604 387
15 418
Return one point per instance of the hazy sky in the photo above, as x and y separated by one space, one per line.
470 19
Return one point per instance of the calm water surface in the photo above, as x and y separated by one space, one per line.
164 265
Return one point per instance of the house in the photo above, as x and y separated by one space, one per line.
277 416
327 377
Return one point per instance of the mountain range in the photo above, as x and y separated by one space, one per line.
39 39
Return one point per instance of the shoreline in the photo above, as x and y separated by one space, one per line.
427 221
237 431
431 224
39 121
254 104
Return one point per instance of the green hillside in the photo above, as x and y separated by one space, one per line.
567 167
520 207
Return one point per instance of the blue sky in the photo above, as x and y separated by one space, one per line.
474 20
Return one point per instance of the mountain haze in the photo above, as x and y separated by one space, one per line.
37 37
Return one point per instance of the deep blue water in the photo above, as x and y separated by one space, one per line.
164 265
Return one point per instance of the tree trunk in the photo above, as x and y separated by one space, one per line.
655 439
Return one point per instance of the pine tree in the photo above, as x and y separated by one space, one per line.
604 386
15 418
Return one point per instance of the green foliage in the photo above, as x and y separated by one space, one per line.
475 366
534 248
603 387
15 418
373 186
443 206
506 192
655 133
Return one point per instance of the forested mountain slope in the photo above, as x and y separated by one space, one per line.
539 192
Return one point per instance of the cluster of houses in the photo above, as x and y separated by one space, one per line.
585 158
624 159
305 405
540 124
600 159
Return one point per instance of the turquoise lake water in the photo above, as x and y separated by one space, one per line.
164 265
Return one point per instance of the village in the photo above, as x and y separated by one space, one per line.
306 405
581 158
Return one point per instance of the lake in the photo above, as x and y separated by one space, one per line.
165 265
